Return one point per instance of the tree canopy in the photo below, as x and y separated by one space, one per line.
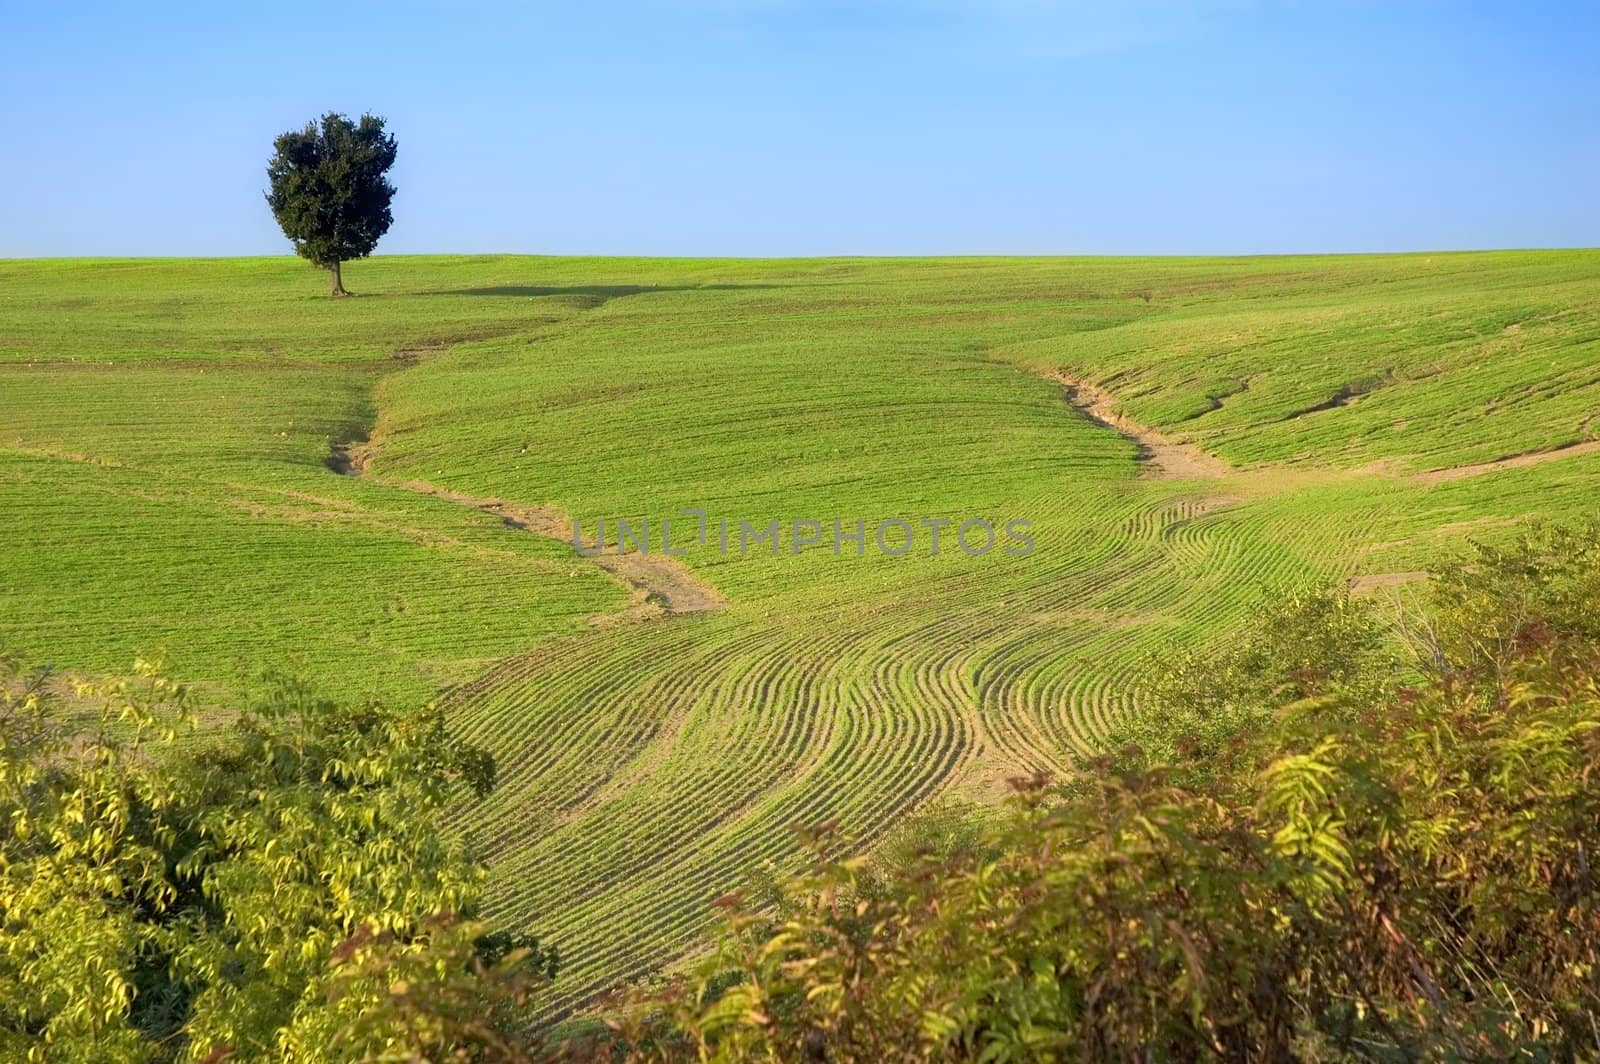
329 189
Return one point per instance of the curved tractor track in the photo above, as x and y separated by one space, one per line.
645 769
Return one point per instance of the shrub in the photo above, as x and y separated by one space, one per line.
266 890
1391 870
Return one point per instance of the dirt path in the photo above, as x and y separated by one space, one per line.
1167 458
659 584
1517 461
1159 455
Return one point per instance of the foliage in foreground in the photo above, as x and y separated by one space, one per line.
1379 870
1330 854
276 890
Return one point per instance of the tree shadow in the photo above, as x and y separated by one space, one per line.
597 292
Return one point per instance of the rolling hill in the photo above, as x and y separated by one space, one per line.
211 459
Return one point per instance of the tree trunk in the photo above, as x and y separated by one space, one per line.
338 282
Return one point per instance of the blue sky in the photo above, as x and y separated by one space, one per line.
764 127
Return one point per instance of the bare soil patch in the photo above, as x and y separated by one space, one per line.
1370 582
1516 461
659 584
1160 455
348 458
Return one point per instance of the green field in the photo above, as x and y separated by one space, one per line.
165 486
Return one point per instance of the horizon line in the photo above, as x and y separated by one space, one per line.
872 256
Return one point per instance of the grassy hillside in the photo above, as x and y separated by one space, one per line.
164 482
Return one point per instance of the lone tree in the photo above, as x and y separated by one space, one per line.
330 190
